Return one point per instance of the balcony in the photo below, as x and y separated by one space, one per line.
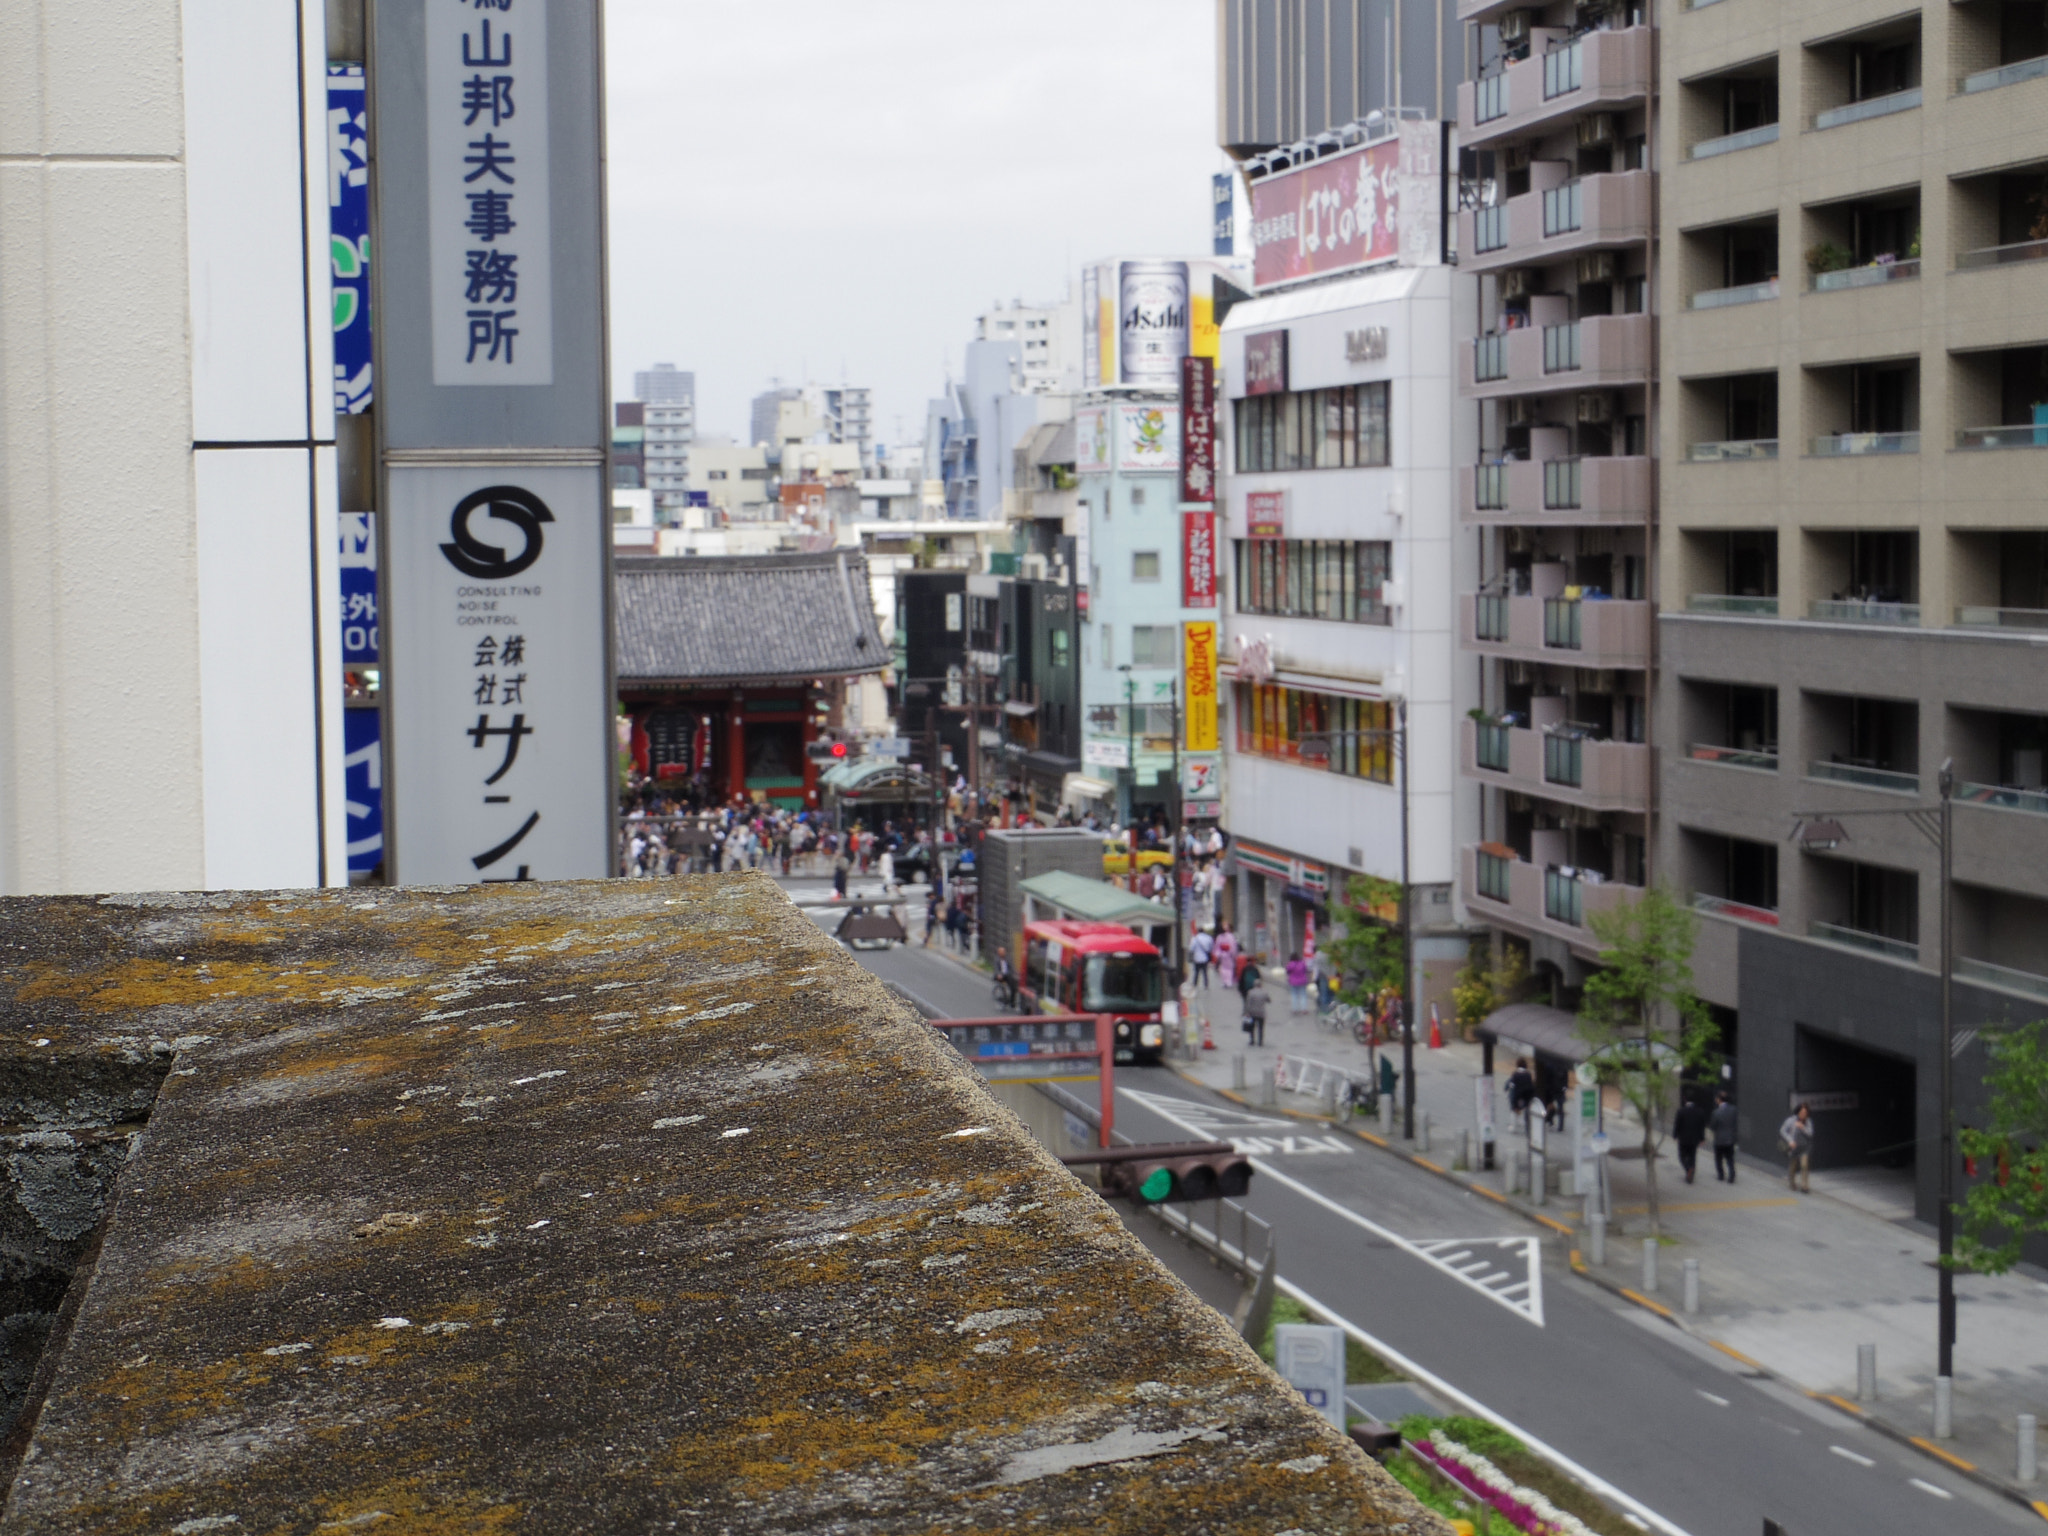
1730 606
2005 74
2004 977
1599 352
1869 943
1731 452
1733 757
1574 491
1875 106
1845 445
1594 211
1729 143
1590 632
2002 618
1728 298
1863 610
1572 769
1735 911
1870 275
1502 888
2003 255
1860 776
1993 439
2034 802
1594 70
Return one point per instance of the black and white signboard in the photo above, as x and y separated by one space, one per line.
488 191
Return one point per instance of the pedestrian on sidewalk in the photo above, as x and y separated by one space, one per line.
931 917
1199 950
1521 1087
1722 1124
1255 1005
1326 994
1224 949
1247 975
1796 1137
1297 984
841 867
1689 1131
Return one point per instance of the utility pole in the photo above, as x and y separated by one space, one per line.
1131 768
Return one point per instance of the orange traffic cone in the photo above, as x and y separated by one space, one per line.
1208 1040
1436 1030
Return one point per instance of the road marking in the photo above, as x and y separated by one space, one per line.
1718 1402
1848 1455
1524 1299
1924 1487
1633 1510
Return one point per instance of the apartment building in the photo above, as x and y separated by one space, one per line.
1855 380
1557 127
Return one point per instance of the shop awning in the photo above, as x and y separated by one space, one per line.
1533 1028
1079 786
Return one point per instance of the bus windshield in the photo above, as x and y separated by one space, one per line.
1122 983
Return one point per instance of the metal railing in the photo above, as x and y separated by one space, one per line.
1563 69
1563 898
1856 938
1875 106
1744 293
1490 228
1733 757
1489 357
1741 911
1490 97
1971 617
1843 445
1496 883
1561 347
2004 977
1728 143
1869 275
1490 617
2002 437
1491 746
2005 74
1859 610
1750 448
1560 484
1732 605
1562 209
1562 623
2000 255
1490 487
1890 780
1564 760
2005 798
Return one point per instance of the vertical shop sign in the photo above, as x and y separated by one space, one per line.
1265 514
1199 683
348 235
1198 559
1197 430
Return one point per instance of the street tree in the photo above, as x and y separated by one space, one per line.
1640 1019
2009 1203
1493 975
1365 946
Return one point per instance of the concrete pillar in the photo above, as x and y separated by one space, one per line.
1692 1285
1539 1178
1597 1244
1269 1086
1649 1266
1237 1080
1386 1114
1866 1373
1422 1129
1944 1407
2028 1466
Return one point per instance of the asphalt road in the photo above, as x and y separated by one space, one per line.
1702 1446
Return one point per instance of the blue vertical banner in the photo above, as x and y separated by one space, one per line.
1223 212
348 230
363 760
362 736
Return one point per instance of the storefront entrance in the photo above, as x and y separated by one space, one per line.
1862 1101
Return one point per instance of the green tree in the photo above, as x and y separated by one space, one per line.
1365 944
2010 1203
1488 981
1640 1018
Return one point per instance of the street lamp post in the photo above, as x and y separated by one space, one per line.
1131 768
1823 831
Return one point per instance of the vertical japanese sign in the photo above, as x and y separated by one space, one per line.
1198 559
348 235
1197 430
1199 664
491 396
1265 363
1265 514
1091 335
1223 213
362 733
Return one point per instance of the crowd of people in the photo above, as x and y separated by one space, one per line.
669 829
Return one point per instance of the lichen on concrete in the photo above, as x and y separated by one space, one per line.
592 1207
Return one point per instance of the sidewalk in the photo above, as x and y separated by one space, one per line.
1792 1283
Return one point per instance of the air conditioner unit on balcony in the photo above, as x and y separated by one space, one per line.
1596 267
1595 406
1515 157
1514 28
1517 283
1596 129
1521 412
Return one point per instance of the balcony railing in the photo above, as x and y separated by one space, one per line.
1716 453
1728 143
1876 106
1489 357
1734 757
1496 880
1999 255
1490 228
1857 610
2002 437
2002 618
1493 745
1564 760
2032 801
1887 779
1746 293
1741 911
2005 74
1563 900
1869 276
1870 943
1490 97
1562 623
1843 445
1561 480
1490 617
1732 606
2003 977
1563 69
1561 348
1490 487
1562 209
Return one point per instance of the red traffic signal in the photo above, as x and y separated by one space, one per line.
839 749
1165 1174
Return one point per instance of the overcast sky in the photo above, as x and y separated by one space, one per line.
836 189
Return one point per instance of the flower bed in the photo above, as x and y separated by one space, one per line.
1525 1508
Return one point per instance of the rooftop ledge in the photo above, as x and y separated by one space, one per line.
583 1207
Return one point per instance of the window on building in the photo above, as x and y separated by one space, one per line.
1137 495
1337 579
1319 730
1314 429
1145 565
1152 645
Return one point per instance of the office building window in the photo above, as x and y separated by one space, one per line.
1313 429
1314 578
1152 645
1319 730
1145 565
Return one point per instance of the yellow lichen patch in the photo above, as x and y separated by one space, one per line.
414 1509
127 986
774 1451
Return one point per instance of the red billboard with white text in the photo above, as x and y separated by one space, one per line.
1198 559
1346 211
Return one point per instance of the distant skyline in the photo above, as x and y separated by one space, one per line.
808 189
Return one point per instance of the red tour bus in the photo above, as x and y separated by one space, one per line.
1077 967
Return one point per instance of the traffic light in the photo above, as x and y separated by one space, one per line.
1161 1175
826 751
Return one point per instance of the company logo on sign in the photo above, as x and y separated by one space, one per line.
1368 345
1200 662
487 562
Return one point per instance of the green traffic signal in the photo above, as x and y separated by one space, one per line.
1158 1184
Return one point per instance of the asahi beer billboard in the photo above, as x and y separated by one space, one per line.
1378 203
1141 317
491 402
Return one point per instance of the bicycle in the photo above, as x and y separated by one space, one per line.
1004 992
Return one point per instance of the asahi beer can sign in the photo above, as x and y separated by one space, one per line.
1154 311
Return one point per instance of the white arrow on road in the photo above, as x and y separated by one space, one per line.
1506 1270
